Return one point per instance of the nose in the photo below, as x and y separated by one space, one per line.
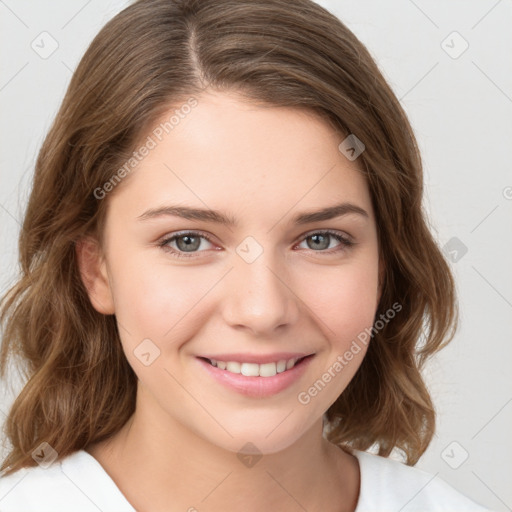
258 297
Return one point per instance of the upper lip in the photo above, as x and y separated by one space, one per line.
257 358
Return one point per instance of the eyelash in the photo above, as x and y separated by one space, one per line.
346 243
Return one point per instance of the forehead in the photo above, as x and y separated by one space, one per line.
229 153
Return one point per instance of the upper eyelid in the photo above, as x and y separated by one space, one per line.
179 234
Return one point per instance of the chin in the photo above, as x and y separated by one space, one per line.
260 437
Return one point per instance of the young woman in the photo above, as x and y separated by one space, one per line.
228 285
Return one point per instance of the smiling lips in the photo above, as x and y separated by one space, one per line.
256 376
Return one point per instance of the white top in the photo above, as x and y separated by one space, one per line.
79 483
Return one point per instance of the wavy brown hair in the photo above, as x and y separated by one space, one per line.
79 386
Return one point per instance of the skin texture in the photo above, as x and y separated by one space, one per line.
261 166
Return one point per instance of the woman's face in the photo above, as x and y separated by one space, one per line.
186 286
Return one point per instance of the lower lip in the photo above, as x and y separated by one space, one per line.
257 387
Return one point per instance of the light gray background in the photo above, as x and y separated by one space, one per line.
460 109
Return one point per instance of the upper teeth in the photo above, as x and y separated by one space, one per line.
254 369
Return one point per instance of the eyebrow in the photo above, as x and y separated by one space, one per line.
186 212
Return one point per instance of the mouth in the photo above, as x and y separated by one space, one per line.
250 369
269 376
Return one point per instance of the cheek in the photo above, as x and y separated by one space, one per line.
346 307
158 302
346 302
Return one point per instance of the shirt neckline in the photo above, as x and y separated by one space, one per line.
74 467
78 468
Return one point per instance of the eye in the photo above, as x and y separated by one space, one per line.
185 242
321 240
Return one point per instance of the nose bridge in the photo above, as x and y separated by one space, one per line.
258 296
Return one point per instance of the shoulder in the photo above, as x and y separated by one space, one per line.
77 479
389 485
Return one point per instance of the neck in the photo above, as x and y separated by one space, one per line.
162 465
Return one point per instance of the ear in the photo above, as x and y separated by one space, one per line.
94 275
